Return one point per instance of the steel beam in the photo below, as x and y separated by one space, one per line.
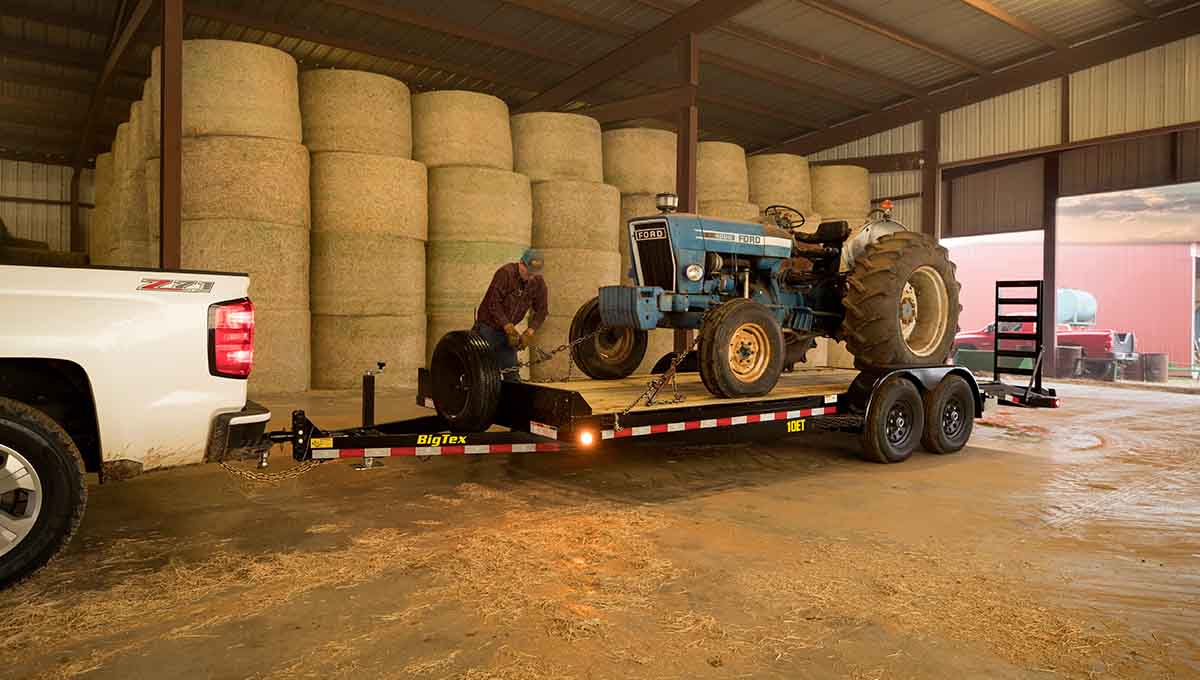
698 17
892 162
170 162
1013 21
1140 8
687 142
1048 322
652 105
931 175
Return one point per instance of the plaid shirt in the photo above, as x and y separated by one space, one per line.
509 298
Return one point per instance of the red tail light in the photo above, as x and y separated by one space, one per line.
1108 343
231 338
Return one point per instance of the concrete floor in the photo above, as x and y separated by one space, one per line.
1060 544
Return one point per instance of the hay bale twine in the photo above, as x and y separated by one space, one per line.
841 190
571 214
274 255
456 127
479 204
100 239
639 160
574 276
345 346
369 193
730 210
551 146
780 178
355 111
721 173
281 351
633 206
459 272
371 273
248 178
233 88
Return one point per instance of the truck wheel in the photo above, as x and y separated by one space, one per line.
42 490
741 349
949 415
466 381
615 353
894 422
901 302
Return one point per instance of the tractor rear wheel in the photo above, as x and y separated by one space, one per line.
741 349
466 381
614 353
901 303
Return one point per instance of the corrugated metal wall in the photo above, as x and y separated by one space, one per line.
906 211
1025 119
48 223
1004 199
1150 89
1131 164
897 140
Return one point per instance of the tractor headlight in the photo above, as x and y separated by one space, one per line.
694 272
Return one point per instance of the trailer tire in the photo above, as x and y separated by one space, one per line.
949 415
613 354
466 381
41 479
901 302
894 422
754 369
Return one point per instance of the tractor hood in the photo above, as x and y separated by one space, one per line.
689 232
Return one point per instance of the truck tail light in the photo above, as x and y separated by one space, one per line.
231 338
1108 343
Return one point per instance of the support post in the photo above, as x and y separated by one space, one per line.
931 175
688 126
170 158
1049 260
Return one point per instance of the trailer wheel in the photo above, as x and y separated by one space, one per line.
949 416
894 422
615 353
43 490
741 349
466 381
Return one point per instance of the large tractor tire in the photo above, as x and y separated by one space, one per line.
741 349
615 353
901 303
466 381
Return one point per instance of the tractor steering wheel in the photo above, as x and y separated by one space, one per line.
779 213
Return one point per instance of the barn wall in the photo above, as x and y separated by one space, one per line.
48 223
1025 119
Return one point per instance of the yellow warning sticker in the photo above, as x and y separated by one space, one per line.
322 442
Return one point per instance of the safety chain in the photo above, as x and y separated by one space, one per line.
654 386
543 356
271 478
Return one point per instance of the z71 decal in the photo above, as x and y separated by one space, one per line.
176 285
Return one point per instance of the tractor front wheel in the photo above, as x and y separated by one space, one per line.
613 353
741 349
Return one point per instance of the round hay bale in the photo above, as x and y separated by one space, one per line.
633 206
130 223
837 356
730 210
355 111
458 272
369 193
151 122
721 173
555 331
443 320
133 254
248 178
343 347
136 139
660 342
274 255
551 146
100 225
780 178
574 276
479 204
281 351
841 190
120 152
370 273
639 160
569 214
456 127
151 193
234 88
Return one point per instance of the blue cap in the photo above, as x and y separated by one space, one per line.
532 257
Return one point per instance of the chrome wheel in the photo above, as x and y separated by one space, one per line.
20 498
923 308
749 351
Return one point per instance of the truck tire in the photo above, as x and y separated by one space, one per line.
949 415
615 353
901 303
466 381
43 490
894 422
741 349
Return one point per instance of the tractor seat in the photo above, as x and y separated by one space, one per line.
826 233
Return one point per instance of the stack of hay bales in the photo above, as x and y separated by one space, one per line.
640 162
246 192
150 133
842 192
479 209
576 219
128 224
100 238
723 182
369 225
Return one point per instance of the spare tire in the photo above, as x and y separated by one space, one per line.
901 303
466 381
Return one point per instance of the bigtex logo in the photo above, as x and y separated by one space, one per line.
440 439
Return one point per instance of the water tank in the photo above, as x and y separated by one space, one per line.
1075 307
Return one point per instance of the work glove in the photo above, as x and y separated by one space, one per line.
514 337
527 338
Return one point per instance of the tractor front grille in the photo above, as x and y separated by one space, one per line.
655 260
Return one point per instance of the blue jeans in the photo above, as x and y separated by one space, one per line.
506 356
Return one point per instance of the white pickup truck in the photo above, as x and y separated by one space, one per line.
117 372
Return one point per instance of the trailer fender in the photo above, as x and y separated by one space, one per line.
926 378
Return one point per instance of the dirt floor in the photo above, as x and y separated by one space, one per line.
1059 545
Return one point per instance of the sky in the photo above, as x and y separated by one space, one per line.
1169 213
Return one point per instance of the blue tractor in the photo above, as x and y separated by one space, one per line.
760 295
